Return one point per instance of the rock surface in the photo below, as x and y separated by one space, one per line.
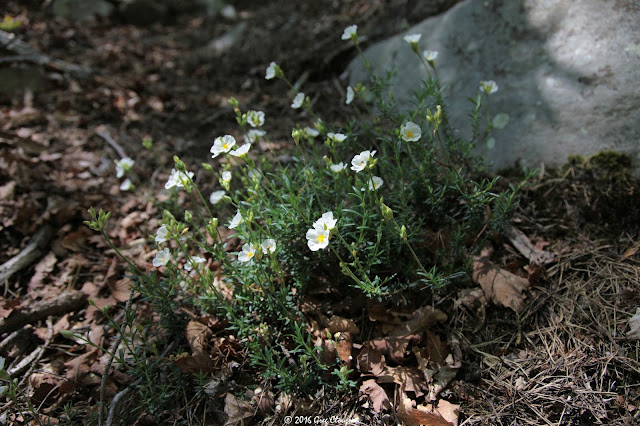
81 10
568 72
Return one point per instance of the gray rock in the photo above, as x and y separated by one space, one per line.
81 10
568 72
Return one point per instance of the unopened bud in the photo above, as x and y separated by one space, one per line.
403 232
188 216
387 213
180 166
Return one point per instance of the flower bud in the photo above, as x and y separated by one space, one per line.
387 213
180 166
147 142
226 199
207 167
403 233
188 216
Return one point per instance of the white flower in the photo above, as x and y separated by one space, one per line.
297 101
226 176
271 71
216 196
488 87
237 220
337 168
247 253
350 32
412 38
317 239
222 144
350 95
410 132
255 118
242 151
336 137
268 246
360 161
126 185
326 222
375 183
310 133
194 259
430 55
123 166
178 179
161 234
162 257
253 135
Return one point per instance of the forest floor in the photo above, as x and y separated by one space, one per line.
570 356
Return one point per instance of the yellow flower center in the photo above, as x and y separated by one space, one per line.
409 134
321 238
250 254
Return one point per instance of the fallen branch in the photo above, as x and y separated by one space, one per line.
25 52
104 134
522 243
28 255
66 302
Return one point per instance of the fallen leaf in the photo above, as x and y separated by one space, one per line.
236 410
407 377
420 320
630 252
193 364
197 335
500 286
120 289
42 269
370 360
415 417
344 343
395 348
634 326
339 324
378 397
448 411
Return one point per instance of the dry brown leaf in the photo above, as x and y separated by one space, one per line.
7 191
381 314
416 417
339 324
376 395
627 254
42 269
344 343
407 377
420 321
500 286
448 411
371 360
193 364
120 289
395 348
197 335
236 410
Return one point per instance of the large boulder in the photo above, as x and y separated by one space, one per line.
568 73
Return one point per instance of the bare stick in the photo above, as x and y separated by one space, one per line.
28 255
107 137
66 302
25 52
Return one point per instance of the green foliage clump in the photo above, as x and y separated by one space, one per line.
354 205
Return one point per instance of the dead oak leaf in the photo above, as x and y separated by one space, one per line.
237 410
501 287
370 360
419 416
374 392
409 378
395 348
420 320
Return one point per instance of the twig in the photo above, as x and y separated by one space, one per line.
522 243
25 52
42 349
65 302
28 255
107 137
112 354
116 399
